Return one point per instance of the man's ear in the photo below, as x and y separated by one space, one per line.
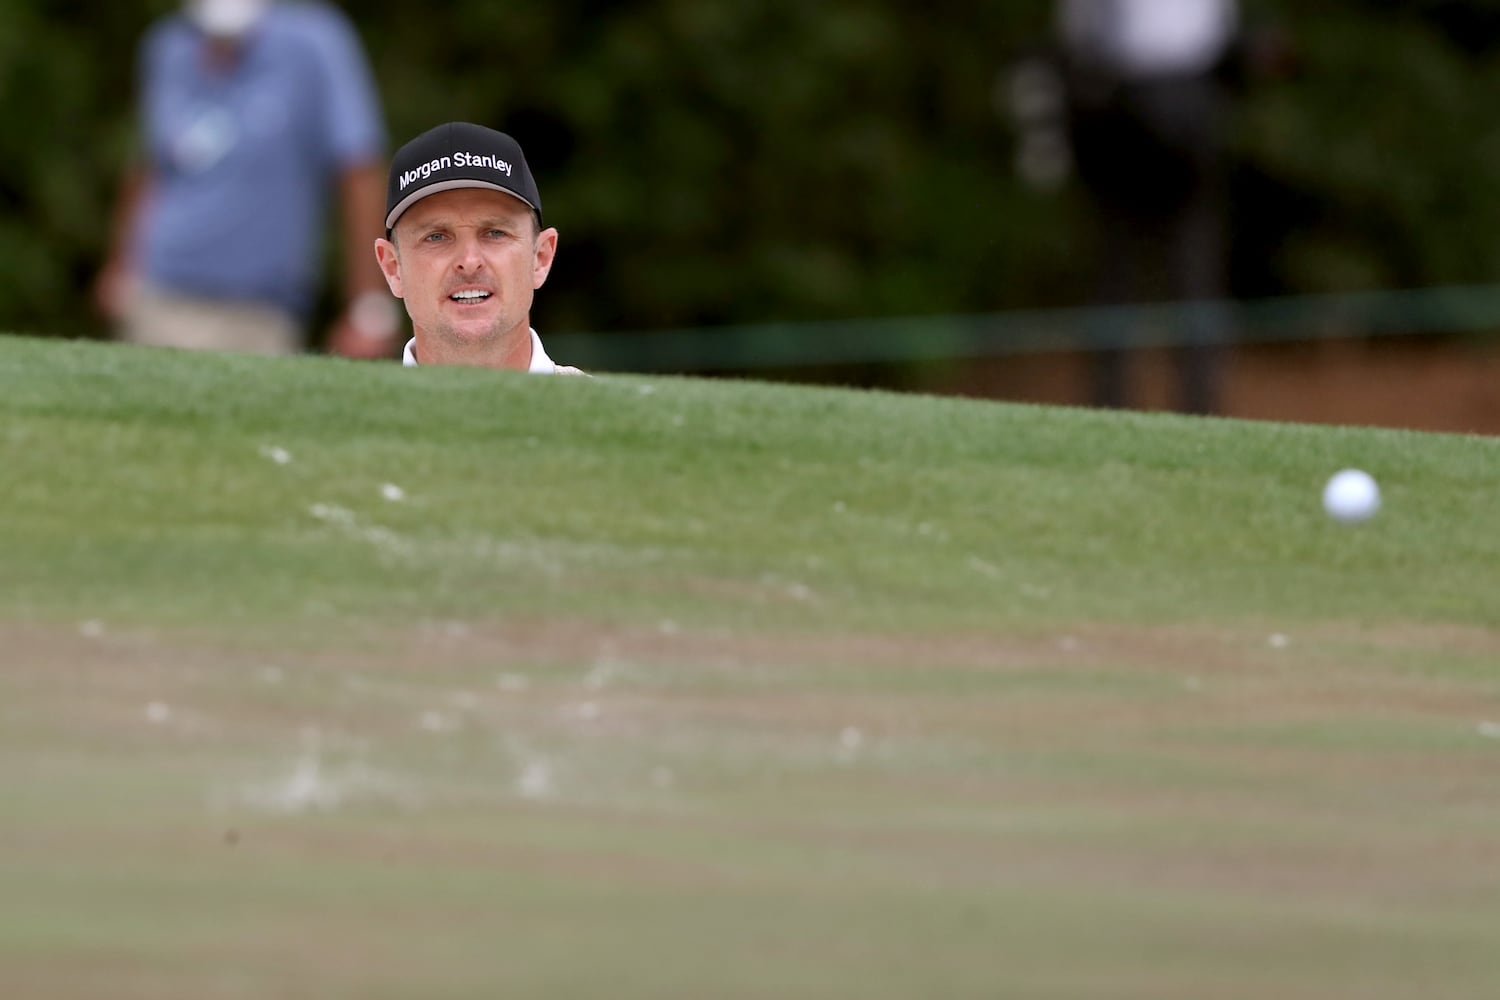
546 251
390 264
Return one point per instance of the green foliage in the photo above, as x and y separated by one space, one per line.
720 162
712 163
1385 134
63 98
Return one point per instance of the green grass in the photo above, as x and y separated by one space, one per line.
655 687
730 504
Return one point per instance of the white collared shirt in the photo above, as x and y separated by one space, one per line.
540 363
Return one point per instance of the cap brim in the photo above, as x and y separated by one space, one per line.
440 186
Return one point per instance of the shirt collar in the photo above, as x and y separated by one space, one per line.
540 363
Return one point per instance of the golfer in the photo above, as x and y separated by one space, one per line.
464 248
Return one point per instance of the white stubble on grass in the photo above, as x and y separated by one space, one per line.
434 721
599 676
850 742
305 789
584 711
383 539
332 514
984 568
512 683
314 785
536 779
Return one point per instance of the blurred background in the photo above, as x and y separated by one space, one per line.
897 195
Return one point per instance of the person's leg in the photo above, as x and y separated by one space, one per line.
1134 272
1110 334
1105 145
156 318
1200 267
1189 115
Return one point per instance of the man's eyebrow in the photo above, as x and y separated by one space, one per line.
483 222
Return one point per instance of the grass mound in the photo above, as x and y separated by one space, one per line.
325 679
146 486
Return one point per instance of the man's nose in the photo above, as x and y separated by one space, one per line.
469 258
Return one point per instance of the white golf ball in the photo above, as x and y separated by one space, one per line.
1351 495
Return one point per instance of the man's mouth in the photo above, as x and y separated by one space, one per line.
469 296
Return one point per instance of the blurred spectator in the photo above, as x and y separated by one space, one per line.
1147 107
251 113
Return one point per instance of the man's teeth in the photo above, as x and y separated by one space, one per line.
468 296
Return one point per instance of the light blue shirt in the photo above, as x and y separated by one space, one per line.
243 160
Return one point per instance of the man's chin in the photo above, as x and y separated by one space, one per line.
472 333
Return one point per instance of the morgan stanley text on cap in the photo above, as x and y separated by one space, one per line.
457 155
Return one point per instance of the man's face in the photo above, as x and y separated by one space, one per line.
226 19
466 262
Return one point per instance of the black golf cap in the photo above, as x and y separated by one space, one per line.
458 155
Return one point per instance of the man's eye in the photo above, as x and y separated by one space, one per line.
435 237
496 234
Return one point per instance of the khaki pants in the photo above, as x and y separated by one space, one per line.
157 318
